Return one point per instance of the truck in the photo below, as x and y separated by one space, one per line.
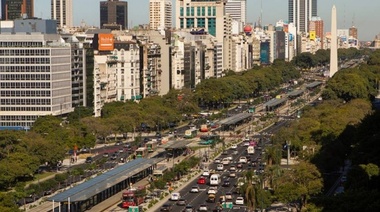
133 197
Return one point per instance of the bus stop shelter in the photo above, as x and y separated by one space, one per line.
313 85
294 94
88 194
233 121
275 103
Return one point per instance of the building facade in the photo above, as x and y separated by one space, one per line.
62 12
237 9
300 13
35 78
160 14
114 12
15 9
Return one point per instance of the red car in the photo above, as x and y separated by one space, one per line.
201 180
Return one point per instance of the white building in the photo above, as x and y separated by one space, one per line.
237 10
300 13
35 78
160 14
62 11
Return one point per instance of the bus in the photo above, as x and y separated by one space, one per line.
209 139
204 128
141 152
151 146
159 171
191 133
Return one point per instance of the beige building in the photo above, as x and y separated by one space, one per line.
160 14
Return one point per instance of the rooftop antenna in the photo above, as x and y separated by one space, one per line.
261 13
344 18
353 20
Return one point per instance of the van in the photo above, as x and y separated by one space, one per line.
215 179
220 167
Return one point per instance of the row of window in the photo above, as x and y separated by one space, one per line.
200 22
24 77
25 101
4 85
201 11
8 44
25 109
26 93
21 60
18 68
18 118
24 52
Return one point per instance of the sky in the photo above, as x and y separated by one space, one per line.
364 13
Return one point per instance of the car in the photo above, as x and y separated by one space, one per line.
166 207
106 155
113 157
239 165
194 189
181 202
343 179
226 183
220 167
217 161
118 143
232 168
246 143
203 207
232 174
201 180
229 158
189 208
206 173
243 159
127 145
211 198
239 201
89 160
212 190
226 161
175 196
228 196
233 146
235 152
121 150
225 153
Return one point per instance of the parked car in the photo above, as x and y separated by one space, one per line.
233 146
89 160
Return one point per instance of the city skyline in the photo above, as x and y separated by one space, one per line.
348 11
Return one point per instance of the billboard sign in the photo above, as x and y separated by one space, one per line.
312 35
105 42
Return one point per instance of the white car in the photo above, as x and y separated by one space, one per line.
228 196
232 168
206 173
243 159
217 161
229 158
194 189
212 190
233 146
239 201
226 161
246 143
203 208
220 167
175 196
232 174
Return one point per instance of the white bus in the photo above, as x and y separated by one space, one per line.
215 179
251 150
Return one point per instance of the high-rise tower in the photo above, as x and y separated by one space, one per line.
160 14
237 9
15 9
62 11
114 12
300 13
334 44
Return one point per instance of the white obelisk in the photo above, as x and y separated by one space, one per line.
334 44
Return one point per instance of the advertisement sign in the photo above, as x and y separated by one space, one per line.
312 35
106 42
290 37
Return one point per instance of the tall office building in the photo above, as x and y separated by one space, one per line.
35 73
15 9
62 11
300 13
114 12
160 14
237 10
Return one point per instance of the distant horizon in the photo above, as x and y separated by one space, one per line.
348 13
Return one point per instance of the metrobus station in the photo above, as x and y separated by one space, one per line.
275 103
232 122
313 85
96 190
176 147
295 94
